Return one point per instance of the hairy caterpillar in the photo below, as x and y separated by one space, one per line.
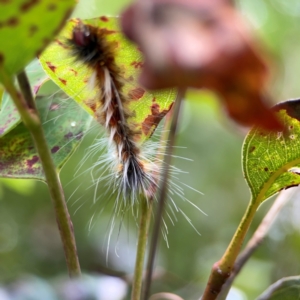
134 175
94 75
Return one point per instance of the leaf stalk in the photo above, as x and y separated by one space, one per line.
257 238
26 107
222 269
145 211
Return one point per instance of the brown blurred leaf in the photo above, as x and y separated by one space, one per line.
201 43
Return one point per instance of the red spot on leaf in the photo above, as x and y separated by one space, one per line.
1 58
31 162
50 66
69 135
104 19
136 94
63 81
28 5
54 149
74 71
137 64
151 122
61 44
13 21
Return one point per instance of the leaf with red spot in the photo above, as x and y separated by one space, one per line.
9 116
63 129
271 160
26 28
148 108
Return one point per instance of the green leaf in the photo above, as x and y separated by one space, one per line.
63 129
9 116
271 161
27 27
73 77
284 289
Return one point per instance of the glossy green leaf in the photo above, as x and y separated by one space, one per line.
63 129
284 289
27 27
271 161
73 77
9 116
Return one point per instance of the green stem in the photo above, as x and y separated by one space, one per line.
257 238
146 209
221 270
29 115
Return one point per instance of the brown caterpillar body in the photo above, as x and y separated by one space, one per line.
88 45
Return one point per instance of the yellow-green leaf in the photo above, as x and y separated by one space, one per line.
63 130
9 116
147 108
271 161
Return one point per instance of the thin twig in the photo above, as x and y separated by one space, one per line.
30 117
257 238
146 209
162 194
26 90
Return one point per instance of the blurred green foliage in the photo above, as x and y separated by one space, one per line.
29 239
19 20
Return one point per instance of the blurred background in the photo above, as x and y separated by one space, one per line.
31 255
